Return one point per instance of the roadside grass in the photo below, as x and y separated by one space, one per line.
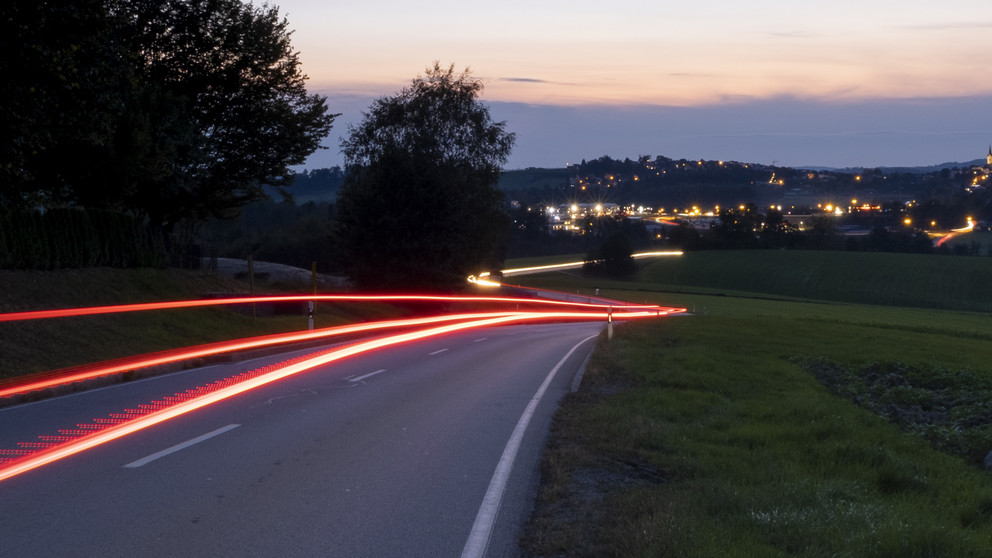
35 346
710 435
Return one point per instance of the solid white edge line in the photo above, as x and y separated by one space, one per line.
369 375
485 520
577 380
178 447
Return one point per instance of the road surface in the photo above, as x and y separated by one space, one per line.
391 453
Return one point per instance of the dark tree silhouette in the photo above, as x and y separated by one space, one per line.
419 206
614 256
171 109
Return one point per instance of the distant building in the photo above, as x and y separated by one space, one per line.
985 169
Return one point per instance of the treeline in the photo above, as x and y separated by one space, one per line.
301 234
749 228
68 238
529 234
315 185
662 182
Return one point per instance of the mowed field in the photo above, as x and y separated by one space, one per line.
815 404
924 281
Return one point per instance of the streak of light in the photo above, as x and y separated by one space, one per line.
15 386
483 278
113 309
657 254
70 442
968 228
482 282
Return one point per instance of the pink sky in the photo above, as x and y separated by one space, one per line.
696 65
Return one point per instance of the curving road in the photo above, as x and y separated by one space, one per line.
390 453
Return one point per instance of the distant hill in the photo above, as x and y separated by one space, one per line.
317 185
910 170
533 178
321 185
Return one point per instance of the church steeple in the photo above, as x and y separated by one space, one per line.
988 160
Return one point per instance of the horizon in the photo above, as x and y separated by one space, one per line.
924 133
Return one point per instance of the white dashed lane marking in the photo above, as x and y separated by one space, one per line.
369 375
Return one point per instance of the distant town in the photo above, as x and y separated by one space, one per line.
934 199
699 190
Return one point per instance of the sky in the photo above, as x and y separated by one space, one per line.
846 83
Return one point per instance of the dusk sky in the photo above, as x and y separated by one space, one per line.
845 83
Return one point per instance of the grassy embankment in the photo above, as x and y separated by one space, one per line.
817 404
56 343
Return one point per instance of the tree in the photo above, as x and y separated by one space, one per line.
233 67
419 207
170 109
614 256
738 228
61 92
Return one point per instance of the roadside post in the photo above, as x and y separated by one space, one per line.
609 323
251 286
313 282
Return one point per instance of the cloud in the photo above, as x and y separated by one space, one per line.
533 80
949 26
523 80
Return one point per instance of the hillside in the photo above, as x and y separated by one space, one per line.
512 180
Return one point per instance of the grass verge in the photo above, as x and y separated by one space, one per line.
41 345
710 435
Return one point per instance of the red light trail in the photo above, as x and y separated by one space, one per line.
16 386
67 442
49 448
115 309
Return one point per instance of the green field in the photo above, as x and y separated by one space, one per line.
816 404
910 280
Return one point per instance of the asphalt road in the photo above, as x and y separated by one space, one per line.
385 454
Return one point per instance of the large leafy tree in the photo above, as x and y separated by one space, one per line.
62 89
228 68
419 207
186 108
